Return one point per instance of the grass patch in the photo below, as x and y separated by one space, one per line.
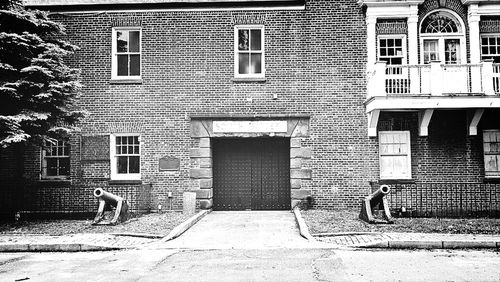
153 223
323 221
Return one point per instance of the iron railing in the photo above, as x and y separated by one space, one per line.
445 200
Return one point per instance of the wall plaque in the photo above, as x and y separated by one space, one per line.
253 126
169 163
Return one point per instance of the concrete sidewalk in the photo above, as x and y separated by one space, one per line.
413 240
69 243
243 230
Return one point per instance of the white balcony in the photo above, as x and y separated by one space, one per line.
433 86
425 88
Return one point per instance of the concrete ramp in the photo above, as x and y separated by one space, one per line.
242 230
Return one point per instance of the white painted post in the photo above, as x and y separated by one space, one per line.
413 50
371 42
487 78
436 78
475 56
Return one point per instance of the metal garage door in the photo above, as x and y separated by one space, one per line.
251 173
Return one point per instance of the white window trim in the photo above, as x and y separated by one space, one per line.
394 36
442 36
43 175
114 54
409 176
236 53
497 35
112 156
484 156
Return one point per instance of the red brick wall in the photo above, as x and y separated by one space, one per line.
315 64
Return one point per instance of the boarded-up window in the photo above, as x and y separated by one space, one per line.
491 145
395 155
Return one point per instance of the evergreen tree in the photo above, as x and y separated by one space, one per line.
38 91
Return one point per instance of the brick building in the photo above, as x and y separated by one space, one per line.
260 104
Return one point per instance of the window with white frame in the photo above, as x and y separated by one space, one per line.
395 155
126 61
125 157
491 146
55 159
490 47
442 38
249 51
392 49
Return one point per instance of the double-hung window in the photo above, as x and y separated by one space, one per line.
126 61
490 47
249 51
125 157
391 49
395 155
491 146
55 160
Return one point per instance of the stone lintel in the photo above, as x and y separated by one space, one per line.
198 129
302 129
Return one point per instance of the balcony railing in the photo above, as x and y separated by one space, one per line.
445 200
435 79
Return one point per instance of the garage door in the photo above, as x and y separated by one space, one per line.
251 174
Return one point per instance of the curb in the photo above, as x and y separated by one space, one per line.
181 228
141 235
344 234
303 229
452 244
54 248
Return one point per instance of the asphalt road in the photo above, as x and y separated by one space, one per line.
252 265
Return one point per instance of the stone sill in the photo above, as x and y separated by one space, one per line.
125 182
125 81
46 182
249 79
395 181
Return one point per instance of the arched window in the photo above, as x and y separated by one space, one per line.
442 38
440 22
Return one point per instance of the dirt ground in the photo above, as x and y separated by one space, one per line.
153 223
322 221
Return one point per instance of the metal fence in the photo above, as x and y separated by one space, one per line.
445 200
